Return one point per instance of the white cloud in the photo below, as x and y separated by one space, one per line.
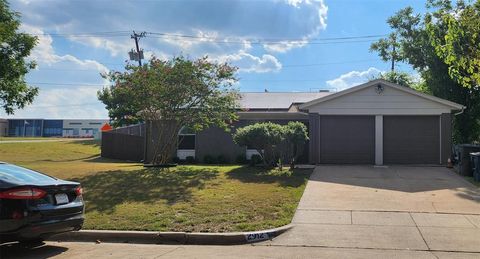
353 78
65 103
76 99
320 19
252 64
235 22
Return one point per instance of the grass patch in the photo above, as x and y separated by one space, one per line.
23 138
126 196
472 180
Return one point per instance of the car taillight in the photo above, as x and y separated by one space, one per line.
17 215
79 191
23 193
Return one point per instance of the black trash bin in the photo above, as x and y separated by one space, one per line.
475 157
462 158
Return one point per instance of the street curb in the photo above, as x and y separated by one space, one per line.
152 237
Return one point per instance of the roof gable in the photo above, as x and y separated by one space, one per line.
398 88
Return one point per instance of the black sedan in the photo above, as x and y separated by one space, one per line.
34 206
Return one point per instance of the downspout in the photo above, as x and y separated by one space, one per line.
460 112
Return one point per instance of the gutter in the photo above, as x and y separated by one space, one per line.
460 112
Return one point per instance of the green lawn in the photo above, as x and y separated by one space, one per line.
472 180
24 138
125 196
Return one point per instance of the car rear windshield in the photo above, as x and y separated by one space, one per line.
19 175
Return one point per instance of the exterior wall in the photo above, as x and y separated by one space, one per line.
3 127
215 141
446 137
368 102
52 128
82 128
314 136
25 127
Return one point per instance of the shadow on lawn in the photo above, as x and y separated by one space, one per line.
86 142
105 190
261 175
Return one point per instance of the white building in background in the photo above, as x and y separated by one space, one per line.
82 128
73 128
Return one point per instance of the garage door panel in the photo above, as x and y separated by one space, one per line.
411 139
347 139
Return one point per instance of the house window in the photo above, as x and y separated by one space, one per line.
186 143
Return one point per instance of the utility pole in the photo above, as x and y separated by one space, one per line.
138 55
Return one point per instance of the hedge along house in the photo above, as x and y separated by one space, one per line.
374 123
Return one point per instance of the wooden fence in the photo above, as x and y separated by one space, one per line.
119 144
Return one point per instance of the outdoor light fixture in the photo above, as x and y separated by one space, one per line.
379 88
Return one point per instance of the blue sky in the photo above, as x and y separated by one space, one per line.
279 45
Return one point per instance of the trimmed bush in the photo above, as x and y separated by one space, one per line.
221 159
255 160
241 159
190 160
176 160
209 159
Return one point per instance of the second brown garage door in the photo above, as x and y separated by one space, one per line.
347 139
411 140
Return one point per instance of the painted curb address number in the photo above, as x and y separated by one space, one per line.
254 237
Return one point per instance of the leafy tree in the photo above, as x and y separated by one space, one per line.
15 47
418 47
457 40
171 94
401 78
263 137
121 109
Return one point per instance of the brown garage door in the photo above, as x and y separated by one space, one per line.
411 140
347 139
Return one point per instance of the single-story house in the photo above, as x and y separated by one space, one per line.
373 123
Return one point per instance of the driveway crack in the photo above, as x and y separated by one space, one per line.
420 232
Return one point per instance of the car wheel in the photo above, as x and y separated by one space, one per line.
31 243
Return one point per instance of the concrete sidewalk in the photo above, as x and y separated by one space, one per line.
112 250
383 230
400 208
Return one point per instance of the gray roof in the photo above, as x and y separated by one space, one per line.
277 100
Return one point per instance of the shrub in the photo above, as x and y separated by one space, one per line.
255 160
261 136
241 159
176 160
209 159
221 159
274 143
190 160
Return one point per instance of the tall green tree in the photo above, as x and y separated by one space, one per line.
457 40
418 47
15 47
173 94
397 77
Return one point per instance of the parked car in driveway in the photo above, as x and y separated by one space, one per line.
34 206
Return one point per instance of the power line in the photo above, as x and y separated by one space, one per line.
328 63
223 40
64 105
283 66
51 83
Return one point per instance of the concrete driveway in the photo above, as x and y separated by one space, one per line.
400 208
